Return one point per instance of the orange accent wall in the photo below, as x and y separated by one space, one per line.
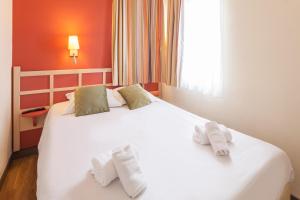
40 39
41 29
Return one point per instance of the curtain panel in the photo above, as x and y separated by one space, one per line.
136 41
170 42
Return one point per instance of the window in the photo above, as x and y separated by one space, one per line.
200 52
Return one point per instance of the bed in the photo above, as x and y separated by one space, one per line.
174 166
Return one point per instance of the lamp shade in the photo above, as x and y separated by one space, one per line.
73 42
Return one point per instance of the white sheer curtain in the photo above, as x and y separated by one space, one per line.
201 45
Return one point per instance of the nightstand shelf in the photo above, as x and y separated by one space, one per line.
34 115
155 93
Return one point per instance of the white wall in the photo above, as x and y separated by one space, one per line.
262 76
5 81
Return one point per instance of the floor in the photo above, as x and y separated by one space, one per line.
20 182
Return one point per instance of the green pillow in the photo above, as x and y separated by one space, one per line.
135 96
91 100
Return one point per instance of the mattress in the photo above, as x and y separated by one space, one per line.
174 167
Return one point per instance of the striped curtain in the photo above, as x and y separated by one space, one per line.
170 67
136 41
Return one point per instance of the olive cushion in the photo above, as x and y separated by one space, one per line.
91 100
135 96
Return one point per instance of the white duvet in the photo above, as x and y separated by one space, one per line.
174 166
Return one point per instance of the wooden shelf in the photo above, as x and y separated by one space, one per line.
35 115
155 93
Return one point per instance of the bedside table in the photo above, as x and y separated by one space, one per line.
31 127
155 93
34 115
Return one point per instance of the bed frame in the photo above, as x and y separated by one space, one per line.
21 123
24 124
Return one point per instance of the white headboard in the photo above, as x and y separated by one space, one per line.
22 124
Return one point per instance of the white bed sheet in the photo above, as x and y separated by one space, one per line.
174 166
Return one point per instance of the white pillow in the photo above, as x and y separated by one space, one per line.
113 97
70 109
152 97
70 95
118 96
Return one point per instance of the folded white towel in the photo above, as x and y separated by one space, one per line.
129 171
216 139
200 135
103 169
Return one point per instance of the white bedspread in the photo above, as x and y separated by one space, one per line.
174 166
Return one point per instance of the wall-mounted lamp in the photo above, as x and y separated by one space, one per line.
73 47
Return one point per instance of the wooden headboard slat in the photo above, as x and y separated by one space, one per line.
63 72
